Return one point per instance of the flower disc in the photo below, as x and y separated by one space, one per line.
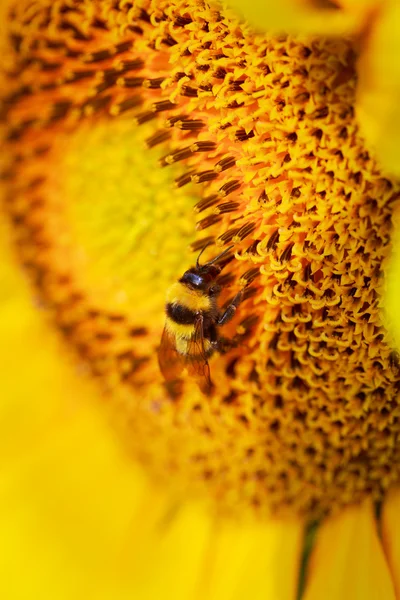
138 133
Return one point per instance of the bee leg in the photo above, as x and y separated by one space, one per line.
229 312
215 290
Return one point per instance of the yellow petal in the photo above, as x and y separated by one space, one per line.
348 562
296 16
393 285
167 551
360 6
391 535
255 561
65 510
378 102
67 494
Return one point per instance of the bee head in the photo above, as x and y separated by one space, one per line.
202 277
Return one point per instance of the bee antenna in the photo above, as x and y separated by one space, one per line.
201 252
211 262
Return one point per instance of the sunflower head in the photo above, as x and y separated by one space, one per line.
138 135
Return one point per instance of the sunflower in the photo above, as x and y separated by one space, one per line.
137 135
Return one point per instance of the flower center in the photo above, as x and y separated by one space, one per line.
119 213
129 130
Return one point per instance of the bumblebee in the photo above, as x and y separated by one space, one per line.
193 318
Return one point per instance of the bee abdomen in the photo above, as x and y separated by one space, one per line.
181 314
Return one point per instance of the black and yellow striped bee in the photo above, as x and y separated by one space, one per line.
193 318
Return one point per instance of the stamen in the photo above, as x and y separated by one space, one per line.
98 56
273 240
229 235
203 147
189 91
144 117
184 179
207 222
169 40
80 76
190 124
249 322
287 253
130 82
162 106
244 231
126 104
131 65
101 55
220 73
250 275
176 156
77 34
60 110
320 113
10 99
204 176
229 187
48 66
141 14
307 272
226 207
182 21
170 122
108 83
252 249
225 163
96 105
153 84
242 136
138 331
158 137
236 85
17 131
206 202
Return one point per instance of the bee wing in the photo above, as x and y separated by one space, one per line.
197 361
170 361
